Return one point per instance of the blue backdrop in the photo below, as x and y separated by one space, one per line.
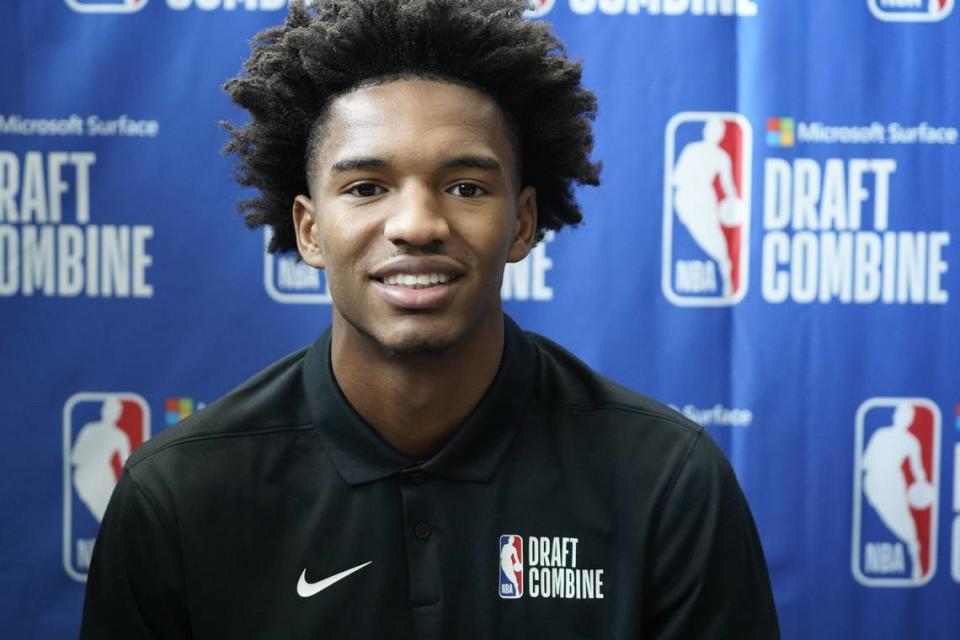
773 252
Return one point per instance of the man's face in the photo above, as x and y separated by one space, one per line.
414 209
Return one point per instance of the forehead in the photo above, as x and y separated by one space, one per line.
414 120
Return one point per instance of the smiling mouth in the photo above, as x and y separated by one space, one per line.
417 280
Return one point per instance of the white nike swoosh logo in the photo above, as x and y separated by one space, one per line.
306 589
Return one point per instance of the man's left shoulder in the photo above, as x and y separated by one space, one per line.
618 435
567 384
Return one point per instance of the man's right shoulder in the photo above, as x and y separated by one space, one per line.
272 400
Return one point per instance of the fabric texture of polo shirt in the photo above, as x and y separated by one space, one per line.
565 506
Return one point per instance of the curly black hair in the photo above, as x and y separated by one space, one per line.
331 47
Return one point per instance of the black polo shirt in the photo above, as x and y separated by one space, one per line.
565 506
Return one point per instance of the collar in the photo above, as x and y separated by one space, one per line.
471 455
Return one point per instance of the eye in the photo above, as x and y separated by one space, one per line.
366 190
467 190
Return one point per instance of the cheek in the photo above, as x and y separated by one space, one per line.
345 240
490 237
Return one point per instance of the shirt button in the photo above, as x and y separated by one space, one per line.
422 530
416 477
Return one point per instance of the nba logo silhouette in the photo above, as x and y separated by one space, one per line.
706 209
896 492
906 11
106 6
538 8
100 430
511 566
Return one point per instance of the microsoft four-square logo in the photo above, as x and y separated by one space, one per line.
780 132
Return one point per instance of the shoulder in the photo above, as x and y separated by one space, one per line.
567 383
626 433
270 401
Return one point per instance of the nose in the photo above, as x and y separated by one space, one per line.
418 218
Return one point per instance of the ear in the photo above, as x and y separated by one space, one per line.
526 229
305 226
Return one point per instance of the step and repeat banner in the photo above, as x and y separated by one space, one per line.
773 251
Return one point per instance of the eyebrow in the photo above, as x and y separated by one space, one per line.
484 163
357 164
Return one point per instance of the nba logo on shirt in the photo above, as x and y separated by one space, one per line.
106 6
706 209
100 430
910 10
538 8
511 566
896 492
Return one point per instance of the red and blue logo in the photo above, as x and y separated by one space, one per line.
910 11
706 209
100 431
511 566
538 8
896 492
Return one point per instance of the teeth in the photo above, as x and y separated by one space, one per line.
416 281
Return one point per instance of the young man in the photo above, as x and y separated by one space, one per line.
425 469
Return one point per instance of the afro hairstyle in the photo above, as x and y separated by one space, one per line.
330 47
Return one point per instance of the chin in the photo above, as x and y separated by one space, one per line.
416 335
416 341
416 349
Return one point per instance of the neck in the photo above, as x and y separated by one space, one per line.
416 403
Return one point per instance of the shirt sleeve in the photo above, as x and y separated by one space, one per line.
135 586
708 577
